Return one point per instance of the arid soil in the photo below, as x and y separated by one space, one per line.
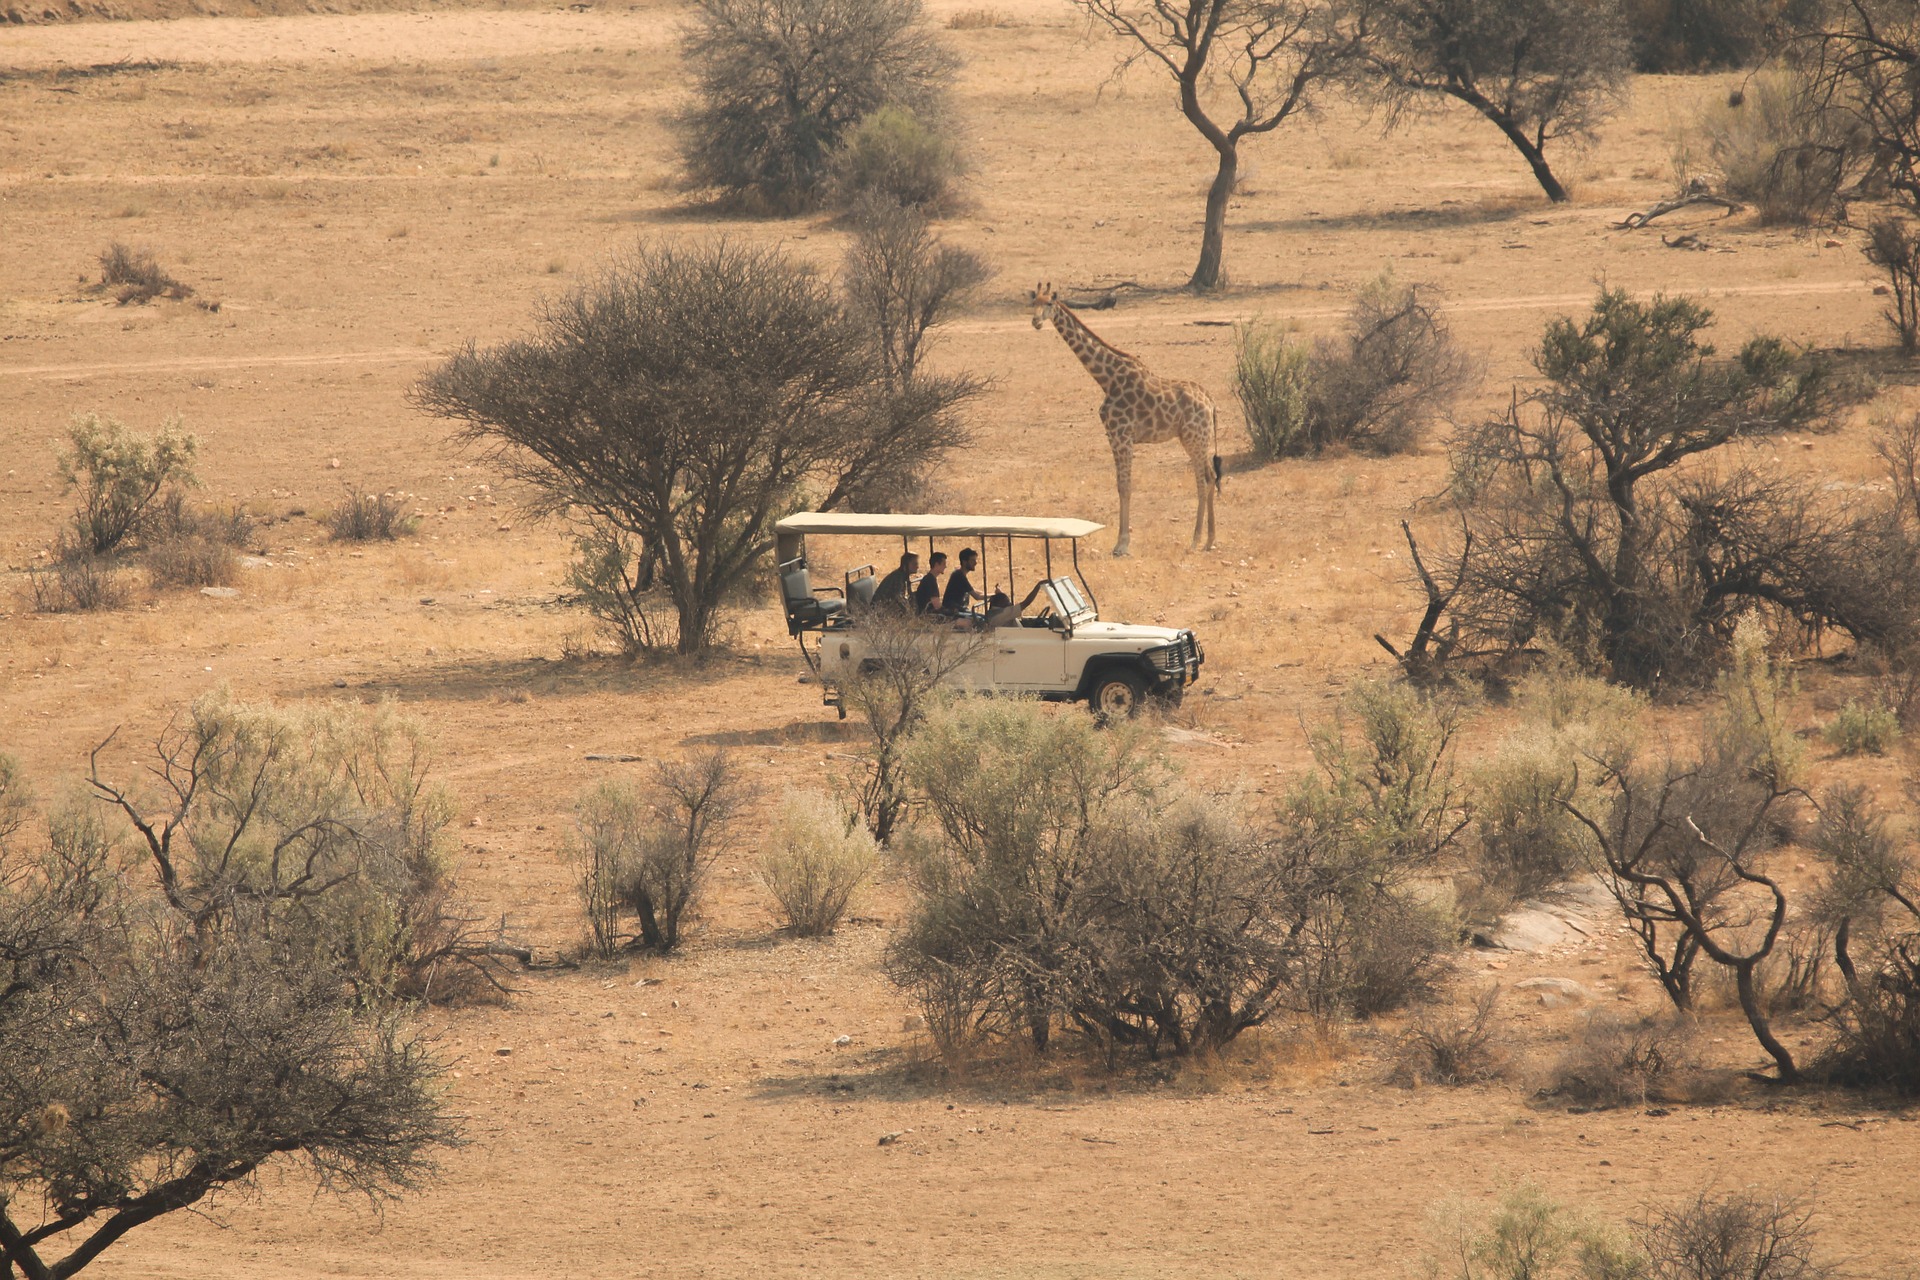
362 193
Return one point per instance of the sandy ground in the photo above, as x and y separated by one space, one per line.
363 192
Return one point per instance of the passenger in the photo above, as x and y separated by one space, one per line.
892 591
926 596
960 595
1005 613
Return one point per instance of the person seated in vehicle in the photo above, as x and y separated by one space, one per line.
891 594
926 596
960 595
1004 613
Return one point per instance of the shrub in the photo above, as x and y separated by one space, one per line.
616 587
1774 151
1270 375
817 858
1747 725
1528 842
174 517
1440 1047
980 19
1392 371
647 852
1617 1063
77 583
1893 247
191 562
1528 1237
370 517
1862 729
1733 1235
136 276
321 825
780 86
119 473
892 153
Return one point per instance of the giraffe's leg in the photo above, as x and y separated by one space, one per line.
1202 507
1123 478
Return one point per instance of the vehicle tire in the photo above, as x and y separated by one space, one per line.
1116 694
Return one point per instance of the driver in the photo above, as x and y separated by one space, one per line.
1008 614
960 595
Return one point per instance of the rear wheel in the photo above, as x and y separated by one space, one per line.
1117 695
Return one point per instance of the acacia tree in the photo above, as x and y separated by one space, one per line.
1540 70
159 1044
690 398
1243 68
1576 534
781 84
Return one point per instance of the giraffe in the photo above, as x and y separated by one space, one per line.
1141 408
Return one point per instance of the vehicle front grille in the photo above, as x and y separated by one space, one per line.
1173 658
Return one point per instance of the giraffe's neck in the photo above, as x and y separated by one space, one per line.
1109 367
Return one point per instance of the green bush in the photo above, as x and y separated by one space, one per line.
893 153
119 473
1270 376
817 857
1862 729
1774 150
1528 1237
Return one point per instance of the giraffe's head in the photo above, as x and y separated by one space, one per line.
1043 304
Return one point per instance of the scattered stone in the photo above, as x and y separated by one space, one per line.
333 464
255 562
1881 291
841 1042
1555 993
339 684
219 593
1831 243
888 1139
503 1053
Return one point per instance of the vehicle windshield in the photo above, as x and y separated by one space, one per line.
1067 600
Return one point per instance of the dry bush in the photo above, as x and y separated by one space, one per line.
174 517
817 857
618 587
191 562
1393 372
1774 151
894 154
1441 1047
77 583
136 276
1614 1062
1733 1235
369 517
1893 247
980 19
1271 375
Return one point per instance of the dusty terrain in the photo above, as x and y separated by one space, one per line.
363 192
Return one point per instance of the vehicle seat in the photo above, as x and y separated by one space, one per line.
805 610
861 590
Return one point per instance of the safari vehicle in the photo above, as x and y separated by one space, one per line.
1059 649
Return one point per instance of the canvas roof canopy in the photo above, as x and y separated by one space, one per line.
790 530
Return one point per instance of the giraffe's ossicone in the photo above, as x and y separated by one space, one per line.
1141 408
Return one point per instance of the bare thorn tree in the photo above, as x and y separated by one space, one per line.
1243 68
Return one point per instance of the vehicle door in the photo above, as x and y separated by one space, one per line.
1032 657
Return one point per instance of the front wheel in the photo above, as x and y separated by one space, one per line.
1117 695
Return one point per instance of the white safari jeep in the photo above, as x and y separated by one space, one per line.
1058 649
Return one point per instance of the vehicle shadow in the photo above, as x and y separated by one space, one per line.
516 679
1462 214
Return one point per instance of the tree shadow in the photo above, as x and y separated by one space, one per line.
798 733
1448 214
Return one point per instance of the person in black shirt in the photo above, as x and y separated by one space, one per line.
926 596
960 593
892 591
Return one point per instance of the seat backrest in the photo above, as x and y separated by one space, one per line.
861 590
796 584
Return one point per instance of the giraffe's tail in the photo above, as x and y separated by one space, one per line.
1217 473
